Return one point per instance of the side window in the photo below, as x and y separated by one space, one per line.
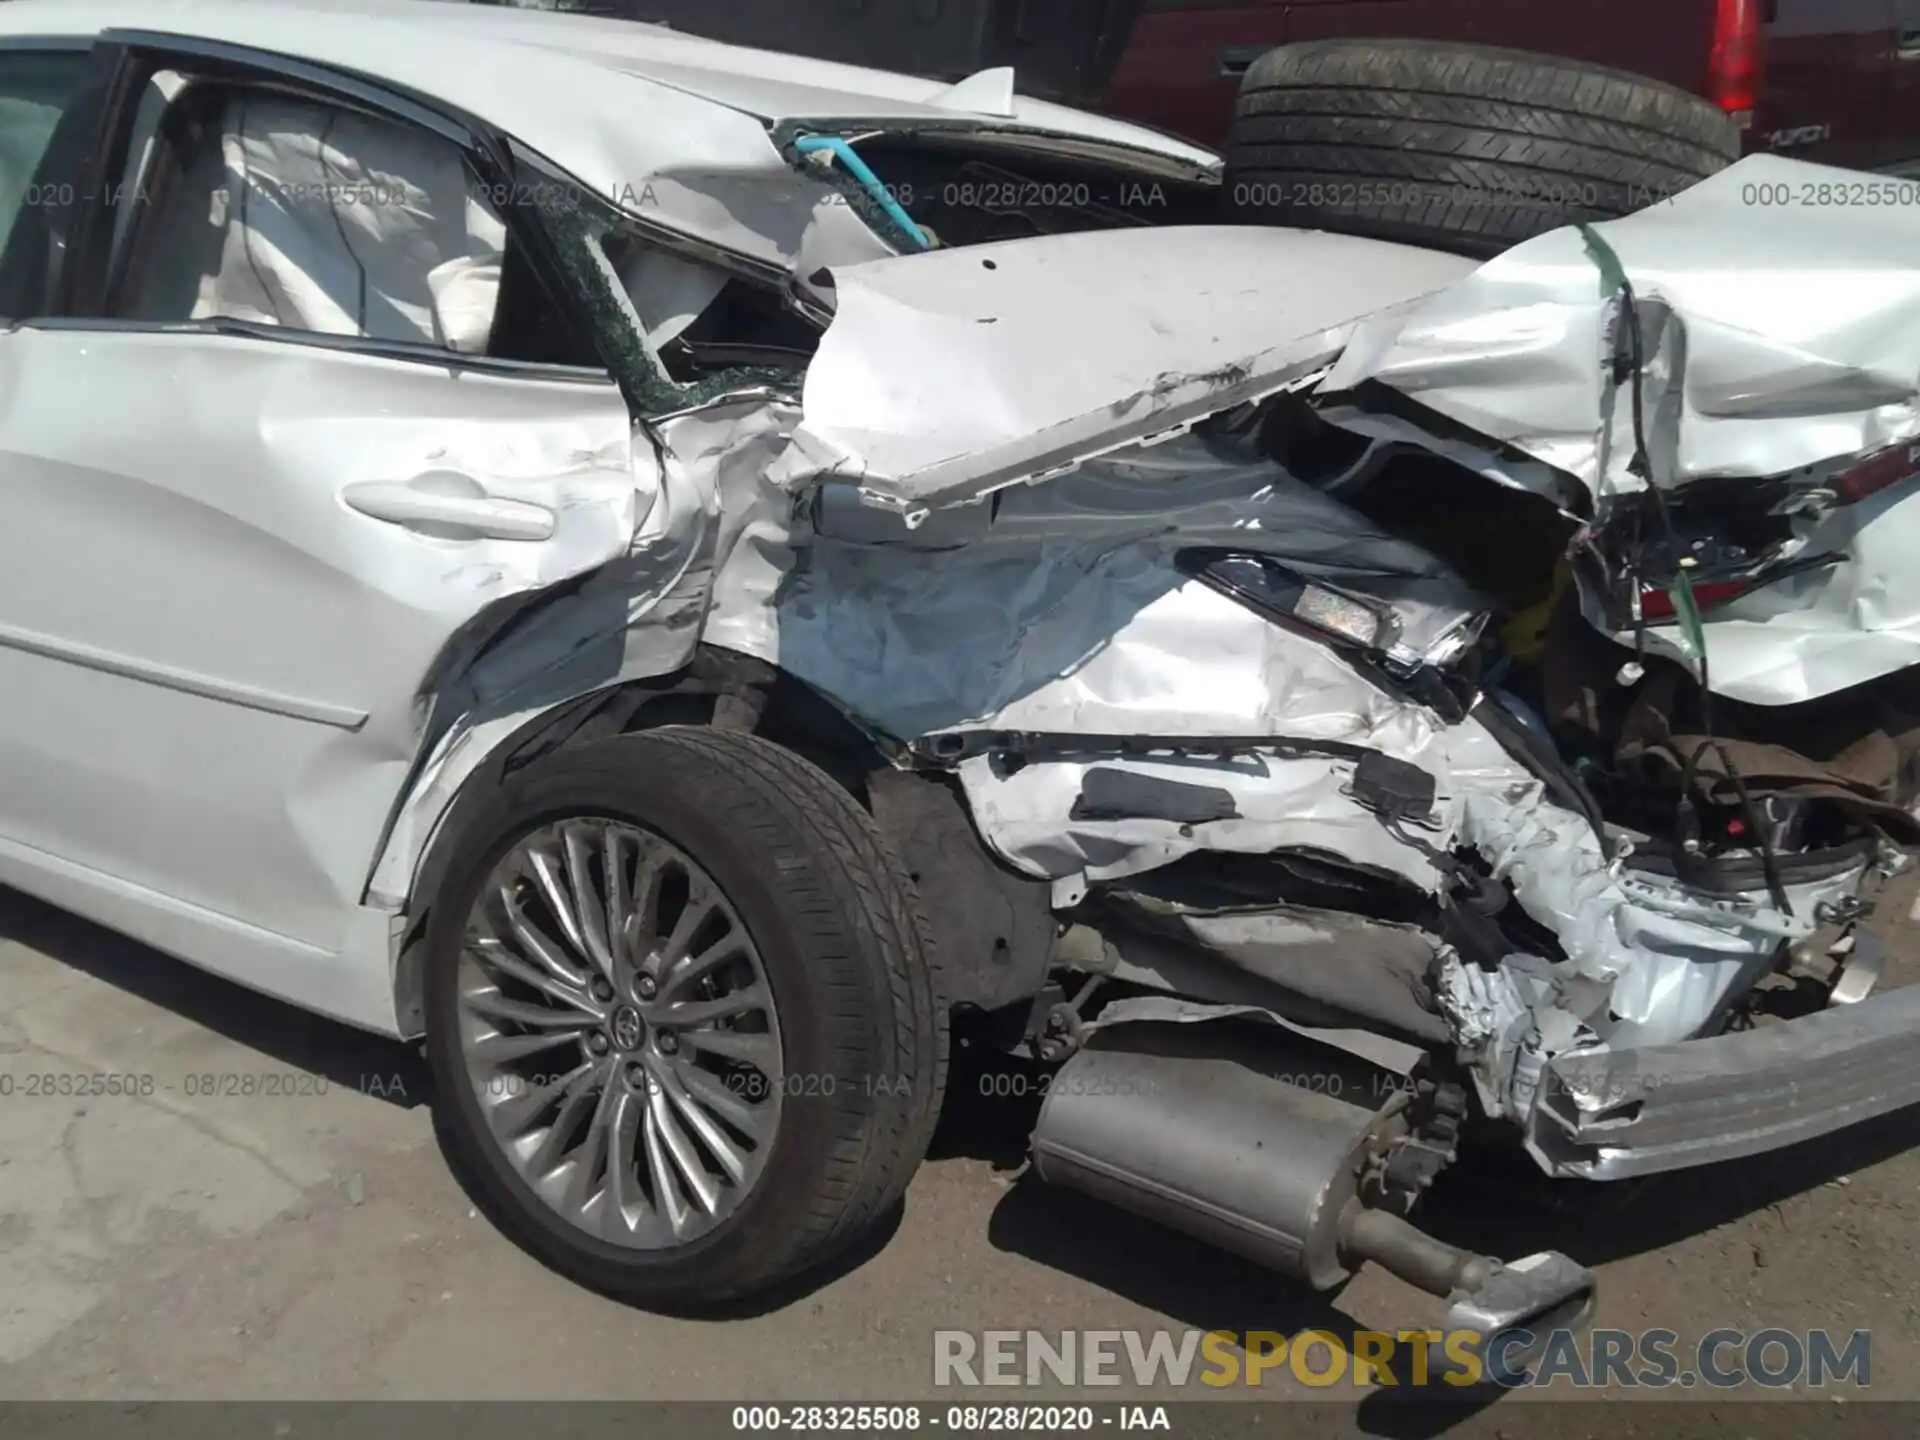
278 209
706 328
35 87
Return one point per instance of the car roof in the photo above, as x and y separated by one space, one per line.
620 104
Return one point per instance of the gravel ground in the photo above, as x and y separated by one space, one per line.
293 1231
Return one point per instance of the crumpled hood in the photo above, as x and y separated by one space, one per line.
1780 304
947 375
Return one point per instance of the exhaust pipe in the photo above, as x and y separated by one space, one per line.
1260 1149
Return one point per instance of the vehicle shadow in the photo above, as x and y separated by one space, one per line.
992 1103
1495 1201
782 1296
390 1070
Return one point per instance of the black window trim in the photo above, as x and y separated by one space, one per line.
54 44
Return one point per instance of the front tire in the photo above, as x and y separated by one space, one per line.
683 1020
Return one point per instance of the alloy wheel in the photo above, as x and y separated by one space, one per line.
619 1033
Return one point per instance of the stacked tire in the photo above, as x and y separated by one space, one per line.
1459 147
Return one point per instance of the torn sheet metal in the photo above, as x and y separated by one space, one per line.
1647 961
1061 608
1065 610
946 376
1781 339
1059 611
1392 1055
1027 816
636 617
1822 629
1779 334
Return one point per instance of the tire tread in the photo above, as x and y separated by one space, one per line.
1496 128
873 963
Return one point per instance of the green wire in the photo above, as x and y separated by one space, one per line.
1687 611
1613 281
1613 275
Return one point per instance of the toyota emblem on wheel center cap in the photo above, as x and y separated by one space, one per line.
628 1028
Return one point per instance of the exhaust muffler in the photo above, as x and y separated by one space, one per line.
1262 1149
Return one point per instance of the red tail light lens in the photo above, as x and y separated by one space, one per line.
1880 470
1657 604
1739 48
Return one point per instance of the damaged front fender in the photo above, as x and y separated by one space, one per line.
634 618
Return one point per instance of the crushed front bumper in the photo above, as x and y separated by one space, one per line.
1612 1115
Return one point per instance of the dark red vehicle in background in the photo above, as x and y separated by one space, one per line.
1468 124
1477 123
1831 80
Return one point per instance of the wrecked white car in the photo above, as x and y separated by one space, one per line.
540 547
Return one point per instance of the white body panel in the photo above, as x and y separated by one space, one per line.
269 604
945 376
213 663
669 126
1782 338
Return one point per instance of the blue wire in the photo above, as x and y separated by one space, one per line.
860 171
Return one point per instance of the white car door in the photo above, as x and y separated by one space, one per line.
247 518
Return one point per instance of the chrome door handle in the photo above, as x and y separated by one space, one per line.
451 506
